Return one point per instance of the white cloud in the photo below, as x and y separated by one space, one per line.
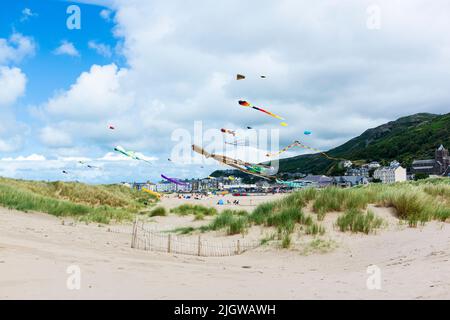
106 14
67 48
32 157
54 137
97 94
16 48
12 85
100 48
26 14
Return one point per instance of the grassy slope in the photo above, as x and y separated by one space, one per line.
408 138
99 203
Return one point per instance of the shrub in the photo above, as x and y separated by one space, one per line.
355 221
186 209
158 211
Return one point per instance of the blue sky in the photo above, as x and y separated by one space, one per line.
155 68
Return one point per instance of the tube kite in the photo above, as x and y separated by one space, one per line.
130 154
153 193
259 170
242 77
301 145
88 165
174 180
248 104
233 133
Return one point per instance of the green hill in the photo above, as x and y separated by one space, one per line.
407 138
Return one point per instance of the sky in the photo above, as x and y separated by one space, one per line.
163 73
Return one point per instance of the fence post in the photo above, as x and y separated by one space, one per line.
133 236
169 242
199 251
238 247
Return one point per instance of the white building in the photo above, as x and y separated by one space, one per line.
373 165
390 174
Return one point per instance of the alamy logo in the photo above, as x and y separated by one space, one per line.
74 20
374 17
374 280
74 280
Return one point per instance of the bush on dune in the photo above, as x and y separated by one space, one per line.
187 209
356 221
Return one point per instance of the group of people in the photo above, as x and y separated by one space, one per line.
221 202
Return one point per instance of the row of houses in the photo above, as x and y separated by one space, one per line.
354 176
189 185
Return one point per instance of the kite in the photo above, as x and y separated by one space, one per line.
259 170
130 154
153 193
65 172
168 159
249 128
307 132
174 180
248 104
301 145
237 143
233 133
294 144
111 127
88 165
242 77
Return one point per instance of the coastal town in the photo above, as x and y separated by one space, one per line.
355 175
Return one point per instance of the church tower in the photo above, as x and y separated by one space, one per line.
441 155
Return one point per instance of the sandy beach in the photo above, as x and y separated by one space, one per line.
245 202
36 250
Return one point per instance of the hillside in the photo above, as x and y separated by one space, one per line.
407 138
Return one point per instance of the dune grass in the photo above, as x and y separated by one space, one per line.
355 221
158 211
414 202
187 209
100 204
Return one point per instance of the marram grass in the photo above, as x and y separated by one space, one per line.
99 204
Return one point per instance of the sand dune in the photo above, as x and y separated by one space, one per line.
37 249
